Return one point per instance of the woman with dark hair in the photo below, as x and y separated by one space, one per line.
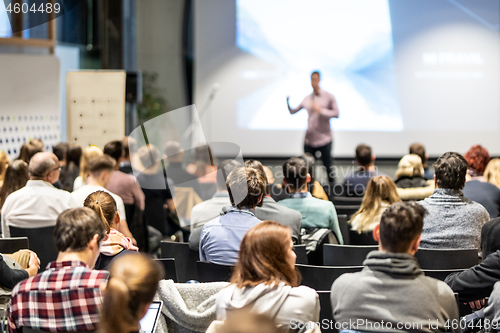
71 168
16 177
265 279
477 188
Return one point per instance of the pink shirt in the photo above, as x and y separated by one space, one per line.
126 187
318 131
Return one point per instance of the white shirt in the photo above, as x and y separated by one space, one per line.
36 205
208 210
83 192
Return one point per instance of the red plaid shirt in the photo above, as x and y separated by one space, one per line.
66 297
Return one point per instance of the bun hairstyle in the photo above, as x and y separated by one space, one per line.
104 205
132 284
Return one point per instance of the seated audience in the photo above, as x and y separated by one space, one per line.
265 280
269 175
453 222
100 170
129 144
419 149
316 213
69 285
115 242
392 289
203 165
492 172
410 172
220 238
379 195
121 183
16 177
133 281
37 204
476 187
175 170
4 163
61 151
355 184
17 267
71 170
88 154
313 186
29 149
245 321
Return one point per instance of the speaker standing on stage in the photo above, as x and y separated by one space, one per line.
321 106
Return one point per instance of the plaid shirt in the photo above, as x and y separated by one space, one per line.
66 297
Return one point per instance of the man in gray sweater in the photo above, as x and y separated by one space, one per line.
392 293
453 222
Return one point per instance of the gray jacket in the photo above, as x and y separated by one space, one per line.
392 288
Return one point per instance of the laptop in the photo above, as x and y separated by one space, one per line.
150 320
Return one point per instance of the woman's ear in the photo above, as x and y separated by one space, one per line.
117 219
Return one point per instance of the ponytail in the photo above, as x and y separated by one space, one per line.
104 205
103 218
114 307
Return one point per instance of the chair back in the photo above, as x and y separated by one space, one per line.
363 238
440 274
447 258
300 251
170 269
11 245
322 277
138 226
326 312
210 272
347 201
41 241
346 210
185 259
344 228
346 255
155 214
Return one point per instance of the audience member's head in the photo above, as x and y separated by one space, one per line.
228 166
477 159
28 150
174 152
79 230
257 165
450 170
246 187
266 256
364 155
245 321
269 175
400 228
410 166
310 164
419 149
101 169
149 156
16 177
38 143
4 163
203 161
133 281
492 172
61 151
379 190
105 206
129 146
88 154
115 150
74 155
295 174
44 166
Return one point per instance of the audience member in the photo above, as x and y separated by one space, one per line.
313 186
269 175
28 150
453 222
133 281
244 321
392 292
476 187
265 280
492 172
16 177
121 183
203 165
69 286
175 170
410 172
220 238
316 213
88 154
4 163
37 204
379 195
419 149
72 168
17 267
100 170
355 184
129 144
115 242
61 151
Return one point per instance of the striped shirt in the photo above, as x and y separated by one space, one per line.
66 297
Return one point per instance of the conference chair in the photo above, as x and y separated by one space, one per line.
447 258
346 255
322 277
440 274
41 241
185 259
344 228
169 268
137 226
363 238
300 251
11 245
348 210
210 272
326 312
347 201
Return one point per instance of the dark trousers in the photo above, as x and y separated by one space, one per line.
326 157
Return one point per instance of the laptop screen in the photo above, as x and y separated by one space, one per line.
150 320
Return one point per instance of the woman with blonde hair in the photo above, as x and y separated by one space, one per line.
410 172
133 281
492 172
265 279
380 193
4 163
88 154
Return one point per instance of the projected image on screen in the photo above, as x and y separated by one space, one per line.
349 42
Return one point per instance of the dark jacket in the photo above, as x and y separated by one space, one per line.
409 182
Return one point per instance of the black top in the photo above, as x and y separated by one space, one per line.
409 182
10 277
154 185
484 193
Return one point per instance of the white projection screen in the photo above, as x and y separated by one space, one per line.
401 72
